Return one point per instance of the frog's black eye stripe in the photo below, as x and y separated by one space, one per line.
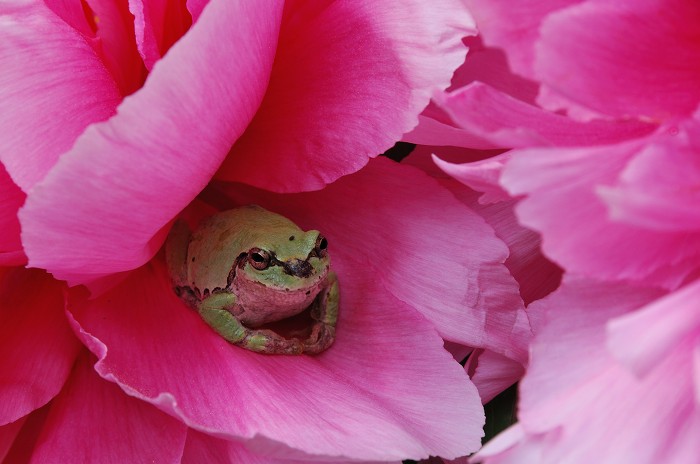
259 259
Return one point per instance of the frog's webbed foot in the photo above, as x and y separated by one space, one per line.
325 314
225 324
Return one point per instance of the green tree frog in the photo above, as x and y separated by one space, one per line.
246 268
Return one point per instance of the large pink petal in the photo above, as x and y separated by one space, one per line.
349 79
102 207
564 370
38 347
52 86
508 122
10 244
638 62
570 416
514 27
408 225
662 325
562 203
94 421
385 390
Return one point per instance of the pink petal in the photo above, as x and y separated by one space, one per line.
510 447
8 433
490 66
658 189
514 27
386 380
195 8
118 428
536 275
482 176
52 86
494 373
349 80
508 122
410 226
158 24
575 396
563 205
662 325
430 131
201 448
26 437
638 62
12 198
102 209
483 64
38 347
116 43
74 14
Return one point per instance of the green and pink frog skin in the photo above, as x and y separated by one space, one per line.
247 268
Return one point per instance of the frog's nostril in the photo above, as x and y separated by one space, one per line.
298 268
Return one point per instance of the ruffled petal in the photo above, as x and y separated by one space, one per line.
562 203
514 27
659 188
409 226
120 428
507 122
349 80
386 379
38 347
52 86
101 208
482 176
569 417
638 62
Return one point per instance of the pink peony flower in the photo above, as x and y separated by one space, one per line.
113 127
606 167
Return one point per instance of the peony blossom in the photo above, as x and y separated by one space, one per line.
117 119
604 163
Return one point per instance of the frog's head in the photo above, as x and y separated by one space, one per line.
287 262
281 271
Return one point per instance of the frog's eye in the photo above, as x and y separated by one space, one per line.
321 247
259 259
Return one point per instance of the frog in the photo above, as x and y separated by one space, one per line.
246 267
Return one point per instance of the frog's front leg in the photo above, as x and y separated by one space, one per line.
213 310
325 313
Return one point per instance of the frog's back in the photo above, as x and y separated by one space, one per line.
221 238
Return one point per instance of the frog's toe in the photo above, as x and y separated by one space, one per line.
322 336
268 342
